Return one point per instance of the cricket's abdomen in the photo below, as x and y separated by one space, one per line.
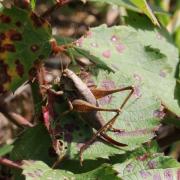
94 119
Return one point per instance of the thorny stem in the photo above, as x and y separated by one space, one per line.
56 48
59 4
10 163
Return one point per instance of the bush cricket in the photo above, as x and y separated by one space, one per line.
88 106
85 102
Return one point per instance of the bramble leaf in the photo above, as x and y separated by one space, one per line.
40 171
24 41
144 54
138 58
144 166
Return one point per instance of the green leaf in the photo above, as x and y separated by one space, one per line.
149 166
33 4
138 119
99 63
34 144
125 3
5 149
142 164
76 52
177 38
143 5
40 171
135 62
137 6
24 42
144 54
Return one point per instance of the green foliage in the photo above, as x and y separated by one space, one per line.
34 144
144 7
33 4
137 54
137 6
177 37
24 42
143 165
124 3
144 53
5 149
41 171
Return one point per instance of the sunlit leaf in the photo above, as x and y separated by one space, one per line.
177 37
5 149
137 6
142 166
33 4
139 119
40 171
125 3
146 54
143 5
149 166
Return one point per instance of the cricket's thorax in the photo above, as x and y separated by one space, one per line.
94 118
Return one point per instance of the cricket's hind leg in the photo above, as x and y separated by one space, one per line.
103 136
100 92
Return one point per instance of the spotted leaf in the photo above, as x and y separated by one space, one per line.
39 170
143 166
149 166
24 41
145 53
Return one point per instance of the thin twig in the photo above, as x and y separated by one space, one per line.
59 4
10 163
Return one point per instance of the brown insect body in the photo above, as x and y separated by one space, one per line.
93 118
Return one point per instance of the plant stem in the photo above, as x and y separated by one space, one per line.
59 4
10 163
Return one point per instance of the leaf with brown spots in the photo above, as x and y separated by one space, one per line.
24 38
